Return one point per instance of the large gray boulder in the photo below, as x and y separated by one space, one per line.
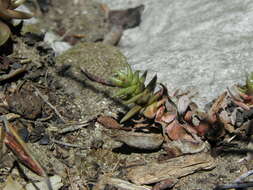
192 44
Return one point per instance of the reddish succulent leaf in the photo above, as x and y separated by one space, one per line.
241 104
188 116
151 111
164 117
245 97
218 104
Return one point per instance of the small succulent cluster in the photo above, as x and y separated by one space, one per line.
248 87
134 92
7 13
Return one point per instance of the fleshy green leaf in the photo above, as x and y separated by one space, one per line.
126 91
131 113
249 84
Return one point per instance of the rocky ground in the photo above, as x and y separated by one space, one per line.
67 120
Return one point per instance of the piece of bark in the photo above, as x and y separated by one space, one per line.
172 169
140 140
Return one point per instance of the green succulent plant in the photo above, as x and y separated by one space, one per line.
249 84
7 13
248 87
134 91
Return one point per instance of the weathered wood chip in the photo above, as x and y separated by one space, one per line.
140 140
171 169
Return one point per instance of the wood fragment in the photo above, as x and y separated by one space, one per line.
172 169
118 183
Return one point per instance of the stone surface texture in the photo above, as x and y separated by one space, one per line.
202 45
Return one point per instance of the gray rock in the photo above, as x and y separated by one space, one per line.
201 44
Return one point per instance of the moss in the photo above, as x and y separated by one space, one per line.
99 59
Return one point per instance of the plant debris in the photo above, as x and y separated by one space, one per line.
62 131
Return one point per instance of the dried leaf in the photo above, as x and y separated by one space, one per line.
108 122
183 104
176 131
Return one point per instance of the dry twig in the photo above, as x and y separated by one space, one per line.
13 74
67 144
50 105
73 127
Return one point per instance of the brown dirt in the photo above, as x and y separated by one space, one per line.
79 100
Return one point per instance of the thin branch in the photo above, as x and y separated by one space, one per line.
68 144
50 105
72 128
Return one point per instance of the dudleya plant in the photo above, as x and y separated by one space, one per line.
8 12
133 91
